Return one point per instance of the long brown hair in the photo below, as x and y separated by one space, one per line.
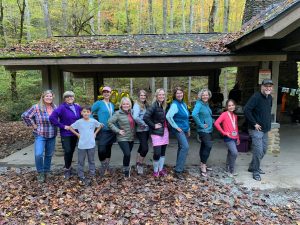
175 91
142 105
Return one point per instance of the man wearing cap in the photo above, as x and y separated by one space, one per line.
258 114
63 116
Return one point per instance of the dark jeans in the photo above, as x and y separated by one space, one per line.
104 152
206 145
69 145
126 147
159 151
183 149
143 138
259 149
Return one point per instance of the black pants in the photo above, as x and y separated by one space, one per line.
69 145
126 147
206 145
159 151
143 138
104 152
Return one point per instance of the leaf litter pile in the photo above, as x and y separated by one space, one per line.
140 200
13 137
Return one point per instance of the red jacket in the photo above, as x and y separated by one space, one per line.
227 126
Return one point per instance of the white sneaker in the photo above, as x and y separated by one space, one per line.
140 169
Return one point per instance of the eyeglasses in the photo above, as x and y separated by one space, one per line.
69 96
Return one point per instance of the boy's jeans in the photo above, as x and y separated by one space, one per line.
91 160
43 152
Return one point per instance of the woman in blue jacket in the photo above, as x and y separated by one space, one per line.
142 129
202 116
178 118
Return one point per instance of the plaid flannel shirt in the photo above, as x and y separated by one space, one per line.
35 115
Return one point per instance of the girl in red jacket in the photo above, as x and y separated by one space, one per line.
227 124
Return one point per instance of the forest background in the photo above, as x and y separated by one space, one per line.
23 21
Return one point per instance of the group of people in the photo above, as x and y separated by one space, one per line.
144 120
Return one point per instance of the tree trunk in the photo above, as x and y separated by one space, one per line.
22 15
153 86
2 34
166 86
212 17
191 15
226 15
202 16
13 86
64 16
47 17
99 17
127 17
164 16
172 16
183 15
140 17
92 21
150 15
27 21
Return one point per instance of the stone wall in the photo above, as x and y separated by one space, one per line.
274 139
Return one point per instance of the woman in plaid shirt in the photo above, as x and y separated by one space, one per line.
44 132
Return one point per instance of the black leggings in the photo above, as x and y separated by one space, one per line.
205 147
159 151
126 147
104 152
143 138
69 145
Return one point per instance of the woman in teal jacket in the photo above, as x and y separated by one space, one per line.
202 116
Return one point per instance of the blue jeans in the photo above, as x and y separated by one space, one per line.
231 155
259 149
43 152
183 149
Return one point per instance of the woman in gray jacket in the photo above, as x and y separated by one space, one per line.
142 129
123 125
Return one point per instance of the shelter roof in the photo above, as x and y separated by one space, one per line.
117 46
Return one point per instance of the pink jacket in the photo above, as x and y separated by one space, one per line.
227 126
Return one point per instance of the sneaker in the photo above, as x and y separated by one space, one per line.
260 171
156 174
179 175
127 173
84 182
163 173
140 169
41 177
67 173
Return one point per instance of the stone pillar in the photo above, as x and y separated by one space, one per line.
274 139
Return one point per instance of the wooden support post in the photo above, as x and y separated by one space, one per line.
275 76
98 81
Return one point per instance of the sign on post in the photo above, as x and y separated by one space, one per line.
264 74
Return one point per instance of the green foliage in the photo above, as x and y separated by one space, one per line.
29 90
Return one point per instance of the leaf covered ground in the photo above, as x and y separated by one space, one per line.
13 137
141 200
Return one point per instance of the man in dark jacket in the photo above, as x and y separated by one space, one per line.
258 114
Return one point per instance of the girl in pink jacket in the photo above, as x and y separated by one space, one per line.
227 124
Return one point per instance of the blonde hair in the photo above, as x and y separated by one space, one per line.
138 101
201 92
164 103
41 103
124 99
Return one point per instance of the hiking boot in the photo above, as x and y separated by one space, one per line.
67 173
163 173
156 174
127 173
84 182
41 177
140 169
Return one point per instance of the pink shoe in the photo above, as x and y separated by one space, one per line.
156 174
163 173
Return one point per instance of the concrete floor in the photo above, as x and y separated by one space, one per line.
282 171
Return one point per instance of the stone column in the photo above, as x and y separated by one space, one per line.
274 139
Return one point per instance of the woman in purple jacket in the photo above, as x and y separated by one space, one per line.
65 115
